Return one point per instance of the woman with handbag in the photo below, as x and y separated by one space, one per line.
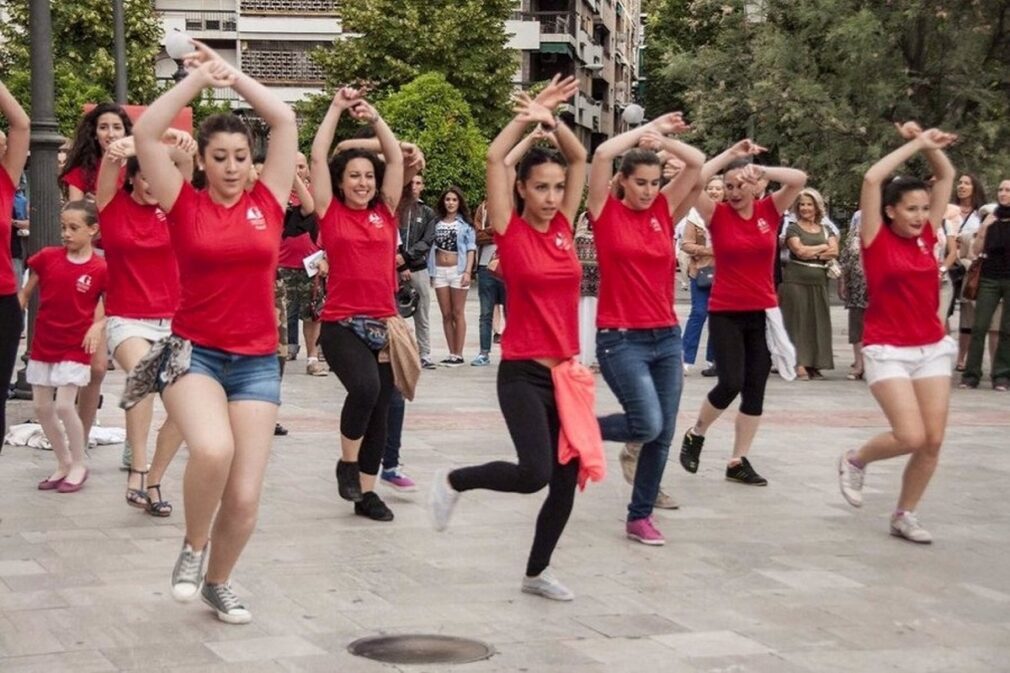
908 356
989 282
355 196
697 245
852 291
803 294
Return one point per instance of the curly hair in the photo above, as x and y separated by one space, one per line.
85 152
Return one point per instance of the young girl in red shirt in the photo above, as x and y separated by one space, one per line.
907 354
68 329
542 275
355 196
12 163
225 239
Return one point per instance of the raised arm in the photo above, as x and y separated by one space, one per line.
680 188
574 152
517 153
308 206
18 133
792 180
744 149
160 171
319 167
392 180
107 182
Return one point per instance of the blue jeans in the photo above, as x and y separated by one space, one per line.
243 377
644 368
491 291
394 430
695 321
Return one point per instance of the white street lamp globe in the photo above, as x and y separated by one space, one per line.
633 114
178 44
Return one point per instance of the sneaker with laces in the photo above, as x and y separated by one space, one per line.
644 531
452 361
316 369
548 586
426 363
348 481
397 480
690 451
441 500
481 360
629 461
850 480
372 506
226 604
906 525
744 473
188 573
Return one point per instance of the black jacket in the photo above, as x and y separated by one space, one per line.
417 231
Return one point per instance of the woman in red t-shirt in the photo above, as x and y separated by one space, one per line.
142 296
225 239
68 329
638 342
355 196
542 274
907 355
744 234
12 163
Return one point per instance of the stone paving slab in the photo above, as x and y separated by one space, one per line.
786 579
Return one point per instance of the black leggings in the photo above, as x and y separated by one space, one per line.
11 324
369 385
742 359
526 397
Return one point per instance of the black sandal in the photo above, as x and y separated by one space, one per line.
136 497
158 507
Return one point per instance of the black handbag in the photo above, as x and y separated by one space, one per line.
705 277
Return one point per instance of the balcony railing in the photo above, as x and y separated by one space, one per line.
281 67
329 7
210 21
551 23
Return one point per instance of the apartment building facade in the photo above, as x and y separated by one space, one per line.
597 41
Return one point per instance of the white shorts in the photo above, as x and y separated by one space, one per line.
909 362
118 330
56 374
447 276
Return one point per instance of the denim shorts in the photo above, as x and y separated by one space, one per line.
243 377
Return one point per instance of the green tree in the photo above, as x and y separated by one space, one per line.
432 113
397 40
821 81
83 53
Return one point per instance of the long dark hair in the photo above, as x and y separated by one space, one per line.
338 165
535 157
86 151
463 210
977 192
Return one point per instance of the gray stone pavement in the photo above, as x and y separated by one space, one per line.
785 579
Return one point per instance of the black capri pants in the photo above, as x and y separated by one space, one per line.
526 397
369 385
742 359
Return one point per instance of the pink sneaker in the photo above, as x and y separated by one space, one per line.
642 530
397 480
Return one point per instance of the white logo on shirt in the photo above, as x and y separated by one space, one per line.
160 214
762 225
922 245
654 223
562 242
84 282
255 217
376 220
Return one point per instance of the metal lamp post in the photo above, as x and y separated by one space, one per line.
119 50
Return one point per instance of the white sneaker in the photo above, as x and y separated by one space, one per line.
548 586
850 480
441 499
904 524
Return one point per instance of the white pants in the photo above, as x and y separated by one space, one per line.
587 330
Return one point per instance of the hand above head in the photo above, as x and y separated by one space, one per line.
908 130
121 150
345 97
651 140
747 148
557 91
670 123
935 139
217 73
530 111
752 174
179 139
413 157
363 111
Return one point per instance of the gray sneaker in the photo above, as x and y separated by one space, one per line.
227 605
907 526
665 501
850 480
441 500
188 573
547 585
629 461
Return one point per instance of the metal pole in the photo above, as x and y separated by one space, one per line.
45 143
119 31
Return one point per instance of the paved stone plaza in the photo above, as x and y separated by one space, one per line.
784 579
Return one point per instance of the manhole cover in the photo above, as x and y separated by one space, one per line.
421 649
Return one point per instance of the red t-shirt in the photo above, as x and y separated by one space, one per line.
227 264
143 273
294 249
8 284
902 290
68 295
86 180
634 250
745 252
360 247
542 276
